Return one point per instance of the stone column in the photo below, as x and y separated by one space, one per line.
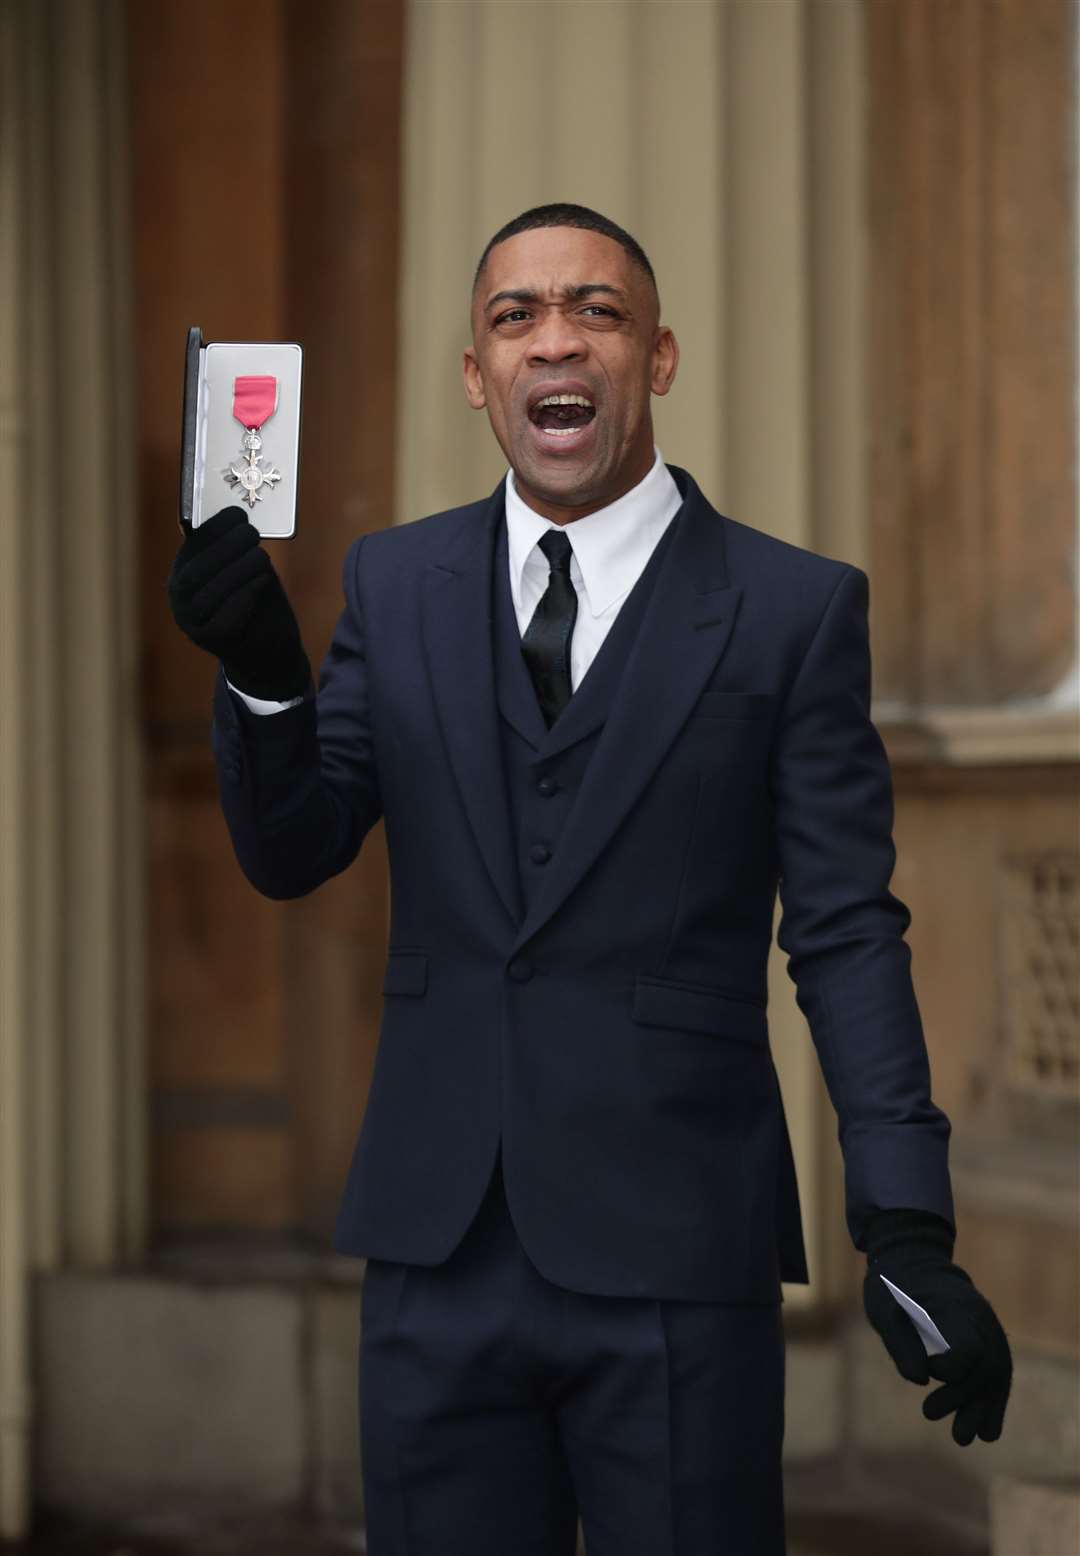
72 1179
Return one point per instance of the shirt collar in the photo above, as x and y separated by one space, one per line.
610 546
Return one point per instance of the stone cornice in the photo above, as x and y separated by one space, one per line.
1009 735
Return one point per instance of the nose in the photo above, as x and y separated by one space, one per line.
556 338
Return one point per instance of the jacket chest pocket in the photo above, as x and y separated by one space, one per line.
406 973
733 705
726 727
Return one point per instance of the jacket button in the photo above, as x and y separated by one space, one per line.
539 853
520 970
546 786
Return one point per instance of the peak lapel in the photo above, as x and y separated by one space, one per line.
457 632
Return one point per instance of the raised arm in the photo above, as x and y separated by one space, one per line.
298 787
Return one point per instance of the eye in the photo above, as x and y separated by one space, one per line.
508 317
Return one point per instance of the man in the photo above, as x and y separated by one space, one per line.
604 724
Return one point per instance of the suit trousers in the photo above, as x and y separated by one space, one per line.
495 1407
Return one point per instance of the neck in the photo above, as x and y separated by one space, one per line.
560 513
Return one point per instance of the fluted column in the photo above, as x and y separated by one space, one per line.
15 862
72 1159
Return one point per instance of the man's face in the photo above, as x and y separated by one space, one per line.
583 321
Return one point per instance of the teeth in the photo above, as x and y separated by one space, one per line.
564 399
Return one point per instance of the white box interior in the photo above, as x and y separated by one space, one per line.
219 436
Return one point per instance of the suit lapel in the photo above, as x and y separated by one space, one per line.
685 629
457 629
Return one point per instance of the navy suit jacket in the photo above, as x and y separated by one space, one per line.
613 1030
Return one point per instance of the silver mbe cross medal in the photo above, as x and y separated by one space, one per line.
255 399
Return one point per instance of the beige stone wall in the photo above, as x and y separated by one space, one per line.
972 325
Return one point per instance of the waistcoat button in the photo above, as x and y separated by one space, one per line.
546 786
539 853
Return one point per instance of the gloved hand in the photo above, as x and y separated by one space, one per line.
226 595
914 1249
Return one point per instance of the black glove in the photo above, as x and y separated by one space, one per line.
227 597
914 1249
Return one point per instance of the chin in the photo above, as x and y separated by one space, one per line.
557 476
571 488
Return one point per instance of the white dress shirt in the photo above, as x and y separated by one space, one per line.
609 550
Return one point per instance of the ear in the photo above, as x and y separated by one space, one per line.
665 361
474 383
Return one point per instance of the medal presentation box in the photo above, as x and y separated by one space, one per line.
240 439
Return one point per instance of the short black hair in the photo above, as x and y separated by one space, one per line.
565 215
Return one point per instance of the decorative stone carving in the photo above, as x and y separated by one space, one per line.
1040 971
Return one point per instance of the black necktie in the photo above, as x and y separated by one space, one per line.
546 644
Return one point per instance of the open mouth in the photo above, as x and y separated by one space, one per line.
562 419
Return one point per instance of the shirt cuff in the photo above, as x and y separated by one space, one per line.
262 705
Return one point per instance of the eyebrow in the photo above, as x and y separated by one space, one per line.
571 293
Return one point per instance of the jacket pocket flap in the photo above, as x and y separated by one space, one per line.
659 1002
735 705
406 973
